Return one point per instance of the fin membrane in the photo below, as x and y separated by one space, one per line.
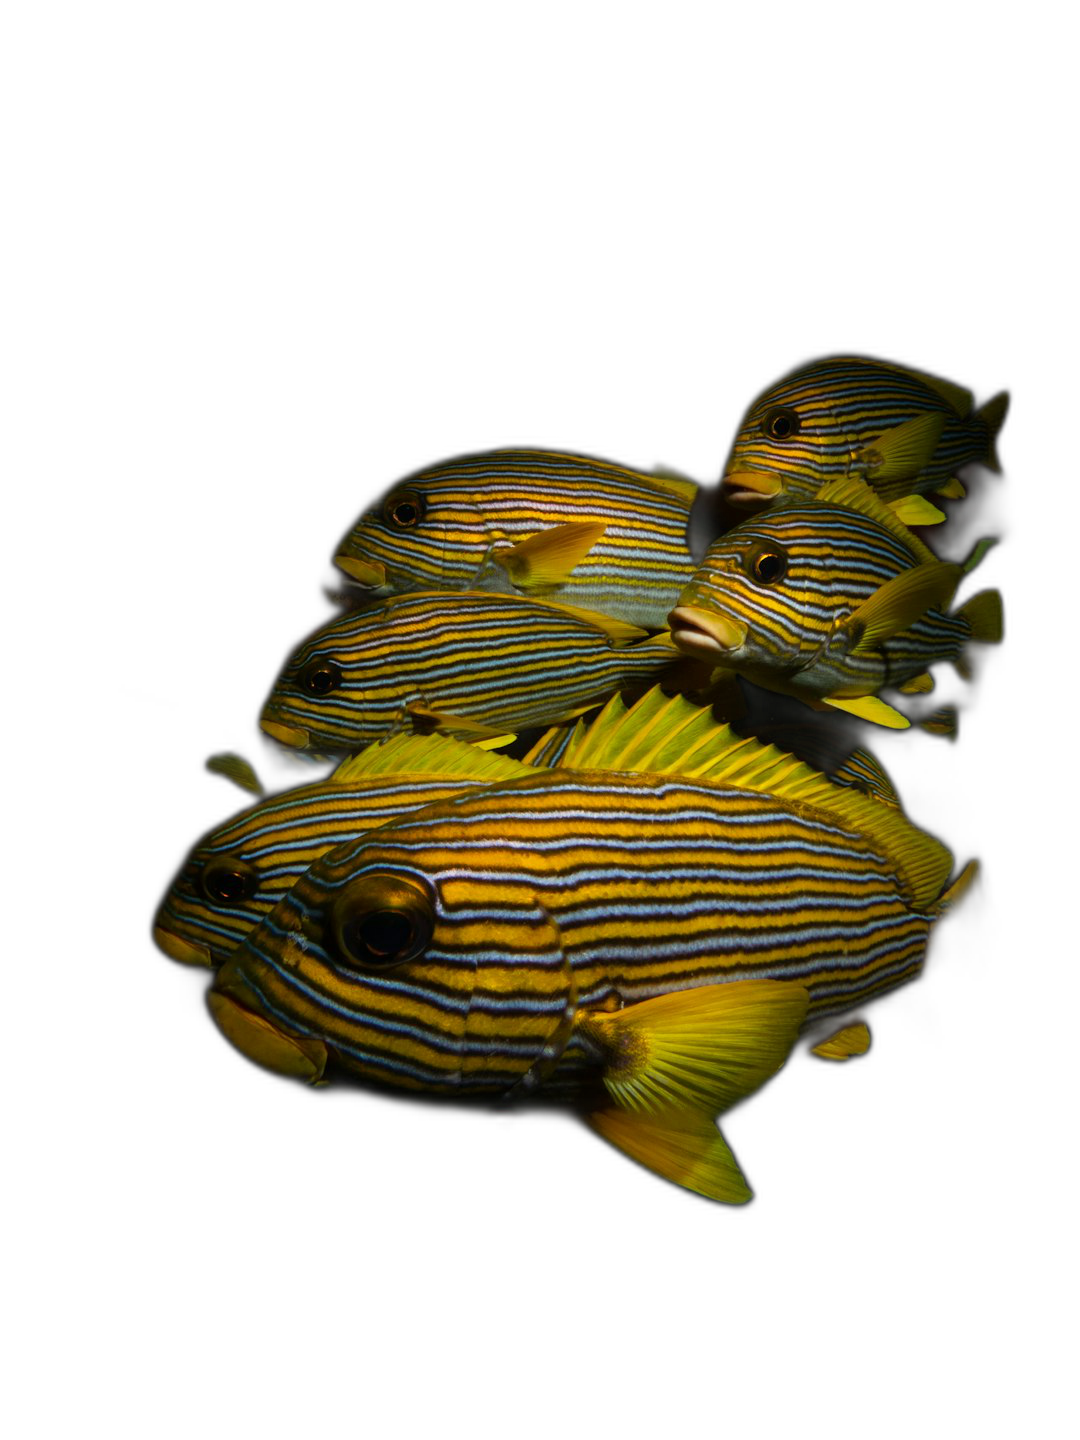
686 1149
546 560
431 755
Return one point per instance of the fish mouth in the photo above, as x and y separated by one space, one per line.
704 634
751 487
286 734
369 573
260 1039
186 951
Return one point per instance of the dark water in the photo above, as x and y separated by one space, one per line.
271 439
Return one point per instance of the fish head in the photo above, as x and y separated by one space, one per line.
400 964
800 433
219 896
767 596
426 532
319 702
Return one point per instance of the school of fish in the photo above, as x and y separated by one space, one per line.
596 829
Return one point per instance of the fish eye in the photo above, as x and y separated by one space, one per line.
780 423
404 509
319 677
766 563
381 920
228 881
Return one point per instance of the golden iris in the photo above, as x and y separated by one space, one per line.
766 562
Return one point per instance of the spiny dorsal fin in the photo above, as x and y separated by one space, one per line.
431 755
855 494
670 735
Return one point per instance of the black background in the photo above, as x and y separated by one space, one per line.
275 409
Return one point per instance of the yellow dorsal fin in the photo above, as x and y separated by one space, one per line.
697 1050
952 395
548 559
845 1043
438 755
855 494
896 605
904 451
670 735
916 510
686 1149
236 769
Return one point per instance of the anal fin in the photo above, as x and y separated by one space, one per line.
869 707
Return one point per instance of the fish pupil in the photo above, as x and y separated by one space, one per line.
769 568
320 678
228 884
781 424
385 934
405 513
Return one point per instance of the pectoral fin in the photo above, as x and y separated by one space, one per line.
236 769
918 684
898 603
429 720
901 453
546 560
952 489
697 1050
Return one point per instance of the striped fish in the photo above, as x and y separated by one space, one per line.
238 873
532 522
644 944
476 665
830 600
901 431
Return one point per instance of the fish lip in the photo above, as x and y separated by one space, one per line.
751 487
286 734
705 634
237 1014
186 951
371 574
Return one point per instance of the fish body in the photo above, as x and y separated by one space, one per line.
235 875
471 664
645 944
531 522
847 416
829 599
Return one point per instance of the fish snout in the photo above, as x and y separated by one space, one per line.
186 951
751 488
705 634
236 1013
286 734
371 574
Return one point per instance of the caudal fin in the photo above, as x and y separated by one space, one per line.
952 893
993 414
985 615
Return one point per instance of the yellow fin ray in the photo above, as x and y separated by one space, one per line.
431 755
869 707
844 1044
897 604
700 1049
901 453
547 559
686 1149
916 510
